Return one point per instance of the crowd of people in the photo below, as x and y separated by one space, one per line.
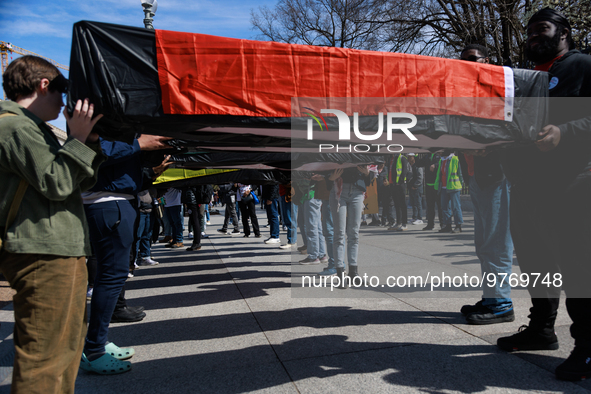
92 197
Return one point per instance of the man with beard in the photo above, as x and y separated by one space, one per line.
550 195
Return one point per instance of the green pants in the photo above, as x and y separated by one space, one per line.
50 320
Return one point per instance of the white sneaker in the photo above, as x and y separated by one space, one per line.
148 261
287 246
402 228
129 275
208 222
190 236
272 241
418 221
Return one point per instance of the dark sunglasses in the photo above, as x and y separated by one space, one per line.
59 84
473 58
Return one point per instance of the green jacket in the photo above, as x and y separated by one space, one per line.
51 217
454 175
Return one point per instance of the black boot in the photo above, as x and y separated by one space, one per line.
446 229
539 335
343 278
353 273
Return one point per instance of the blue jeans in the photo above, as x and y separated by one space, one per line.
416 202
328 231
346 216
313 223
299 214
166 228
111 234
450 202
176 222
286 215
272 217
492 238
144 233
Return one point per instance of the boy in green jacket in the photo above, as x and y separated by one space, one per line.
43 254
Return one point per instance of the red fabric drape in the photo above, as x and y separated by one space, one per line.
202 74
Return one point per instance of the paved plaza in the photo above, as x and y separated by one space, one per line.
233 318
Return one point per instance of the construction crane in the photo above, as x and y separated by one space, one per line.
6 47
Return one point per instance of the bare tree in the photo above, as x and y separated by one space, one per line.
430 27
336 23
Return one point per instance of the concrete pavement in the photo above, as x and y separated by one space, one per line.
233 318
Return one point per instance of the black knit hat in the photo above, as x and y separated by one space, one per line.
550 15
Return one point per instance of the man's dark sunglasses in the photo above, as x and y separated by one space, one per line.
473 58
59 84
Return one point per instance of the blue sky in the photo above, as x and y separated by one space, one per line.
45 27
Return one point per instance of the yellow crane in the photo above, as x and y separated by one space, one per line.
6 47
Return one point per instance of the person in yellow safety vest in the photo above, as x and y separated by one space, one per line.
449 184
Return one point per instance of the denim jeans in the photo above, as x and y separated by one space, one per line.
299 214
416 202
111 234
272 217
346 216
166 227
176 222
328 231
450 202
286 215
313 223
492 238
144 233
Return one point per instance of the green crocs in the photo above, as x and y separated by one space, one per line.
120 353
105 365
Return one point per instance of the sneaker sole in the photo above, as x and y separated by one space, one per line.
572 376
483 322
550 346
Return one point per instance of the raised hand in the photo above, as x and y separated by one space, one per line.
81 121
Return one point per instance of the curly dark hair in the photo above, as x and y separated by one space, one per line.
478 47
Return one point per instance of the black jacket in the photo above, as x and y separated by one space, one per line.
426 161
270 192
226 191
570 76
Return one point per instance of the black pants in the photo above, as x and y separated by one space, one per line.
432 200
247 209
195 221
551 230
386 201
399 193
